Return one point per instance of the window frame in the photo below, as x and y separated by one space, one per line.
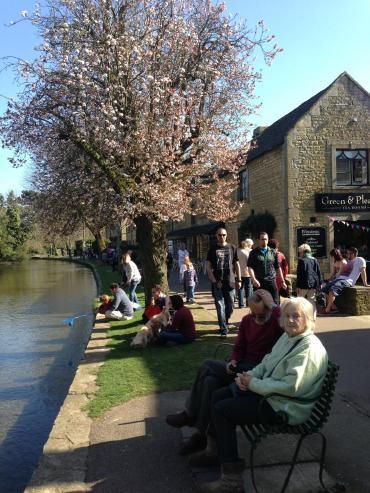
243 185
352 147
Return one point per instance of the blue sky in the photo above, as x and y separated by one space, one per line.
321 39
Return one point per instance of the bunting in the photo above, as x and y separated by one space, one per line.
350 225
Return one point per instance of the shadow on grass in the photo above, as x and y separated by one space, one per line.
129 372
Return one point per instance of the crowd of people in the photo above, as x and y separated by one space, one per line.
275 351
235 274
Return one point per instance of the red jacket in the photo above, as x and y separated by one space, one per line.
255 341
183 322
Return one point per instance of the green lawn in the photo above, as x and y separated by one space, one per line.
129 372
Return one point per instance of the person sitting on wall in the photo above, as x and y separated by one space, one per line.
258 332
340 265
333 288
182 328
121 306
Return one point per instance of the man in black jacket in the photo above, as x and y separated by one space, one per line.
309 277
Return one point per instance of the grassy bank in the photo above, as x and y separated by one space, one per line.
129 372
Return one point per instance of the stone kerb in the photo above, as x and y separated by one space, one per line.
62 467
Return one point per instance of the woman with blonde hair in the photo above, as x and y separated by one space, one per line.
133 276
295 369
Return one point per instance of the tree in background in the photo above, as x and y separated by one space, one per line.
256 223
14 228
154 94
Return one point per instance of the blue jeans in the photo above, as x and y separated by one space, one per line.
190 293
132 291
166 335
224 302
246 289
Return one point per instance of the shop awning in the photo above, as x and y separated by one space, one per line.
196 229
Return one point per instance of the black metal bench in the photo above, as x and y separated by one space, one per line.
319 416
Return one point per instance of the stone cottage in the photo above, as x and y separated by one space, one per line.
310 169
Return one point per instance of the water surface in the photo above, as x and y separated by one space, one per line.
38 356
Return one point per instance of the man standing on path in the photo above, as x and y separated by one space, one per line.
263 265
223 271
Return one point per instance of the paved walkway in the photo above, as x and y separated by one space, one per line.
131 449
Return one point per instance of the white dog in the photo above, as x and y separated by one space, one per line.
151 329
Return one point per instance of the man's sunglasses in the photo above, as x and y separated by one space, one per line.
220 234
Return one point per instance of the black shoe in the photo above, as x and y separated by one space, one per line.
179 420
194 444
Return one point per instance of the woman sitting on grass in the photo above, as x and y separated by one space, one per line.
156 304
295 368
182 328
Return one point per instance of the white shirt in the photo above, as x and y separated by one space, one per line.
181 255
356 265
243 254
132 272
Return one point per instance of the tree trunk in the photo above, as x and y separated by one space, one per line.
151 238
100 243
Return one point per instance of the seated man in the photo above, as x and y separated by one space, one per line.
257 334
182 328
121 306
335 287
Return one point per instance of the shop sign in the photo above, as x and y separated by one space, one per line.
342 202
315 237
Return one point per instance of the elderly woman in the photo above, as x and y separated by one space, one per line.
296 367
309 277
258 332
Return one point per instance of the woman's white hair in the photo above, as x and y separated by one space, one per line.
249 242
304 248
303 306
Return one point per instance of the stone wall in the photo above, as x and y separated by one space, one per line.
267 191
340 119
354 301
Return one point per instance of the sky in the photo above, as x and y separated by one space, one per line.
321 39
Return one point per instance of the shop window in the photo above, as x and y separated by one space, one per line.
243 185
352 167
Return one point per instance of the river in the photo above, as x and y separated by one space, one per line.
39 355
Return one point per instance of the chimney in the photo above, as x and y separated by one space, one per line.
258 131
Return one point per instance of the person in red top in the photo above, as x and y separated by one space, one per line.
106 303
182 328
258 332
283 263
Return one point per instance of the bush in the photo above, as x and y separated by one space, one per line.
256 223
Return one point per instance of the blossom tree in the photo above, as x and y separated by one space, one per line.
155 95
70 195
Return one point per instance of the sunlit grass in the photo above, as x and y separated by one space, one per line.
131 372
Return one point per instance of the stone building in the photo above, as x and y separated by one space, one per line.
310 169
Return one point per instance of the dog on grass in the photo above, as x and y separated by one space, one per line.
151 329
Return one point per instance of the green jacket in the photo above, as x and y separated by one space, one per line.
297 374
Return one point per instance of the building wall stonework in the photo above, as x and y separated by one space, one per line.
340 119
267 191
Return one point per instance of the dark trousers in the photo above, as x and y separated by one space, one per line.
246 289
224 302
211 376
228 412
271 287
